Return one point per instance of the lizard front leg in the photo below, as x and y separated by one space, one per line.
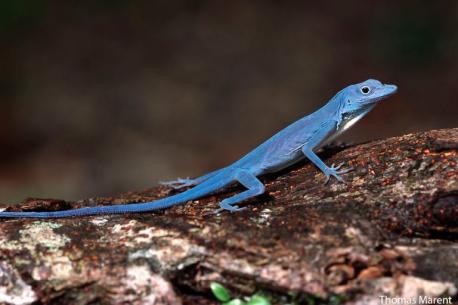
328 171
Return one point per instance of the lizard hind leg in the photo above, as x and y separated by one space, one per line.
180 182
254 188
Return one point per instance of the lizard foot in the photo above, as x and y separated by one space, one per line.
224 206
179 183
335 171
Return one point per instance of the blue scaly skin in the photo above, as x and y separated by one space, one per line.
295 142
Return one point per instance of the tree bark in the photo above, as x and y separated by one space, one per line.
390 230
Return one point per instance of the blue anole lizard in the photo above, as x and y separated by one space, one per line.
297 141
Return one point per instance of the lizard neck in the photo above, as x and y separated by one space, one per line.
350 118
344 120
341 121
333 110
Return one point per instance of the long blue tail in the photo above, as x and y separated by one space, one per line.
207 187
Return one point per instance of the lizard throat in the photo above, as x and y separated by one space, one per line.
350 118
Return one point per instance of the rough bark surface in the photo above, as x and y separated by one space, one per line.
391 230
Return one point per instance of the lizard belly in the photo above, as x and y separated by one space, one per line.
275 163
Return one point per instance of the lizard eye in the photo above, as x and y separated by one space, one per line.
365 90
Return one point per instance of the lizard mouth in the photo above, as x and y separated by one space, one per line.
384 92
390 89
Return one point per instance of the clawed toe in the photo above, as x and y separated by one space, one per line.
335 171
179 183
337 167
344 171
236 208
217 211
227 207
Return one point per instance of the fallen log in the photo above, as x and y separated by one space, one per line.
390 230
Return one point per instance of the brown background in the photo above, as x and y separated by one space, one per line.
100 97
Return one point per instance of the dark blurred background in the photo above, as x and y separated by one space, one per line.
100 97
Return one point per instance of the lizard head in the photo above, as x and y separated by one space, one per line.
358 99
365 94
